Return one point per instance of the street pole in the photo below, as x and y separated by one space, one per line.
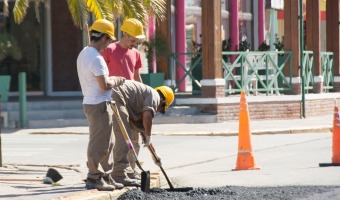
22 99
302 70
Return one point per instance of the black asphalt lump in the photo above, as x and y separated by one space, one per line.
239 192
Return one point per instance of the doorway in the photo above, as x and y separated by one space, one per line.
29 37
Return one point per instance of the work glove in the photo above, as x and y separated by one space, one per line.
157 160
147 141
117 80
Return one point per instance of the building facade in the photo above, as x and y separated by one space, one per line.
50 47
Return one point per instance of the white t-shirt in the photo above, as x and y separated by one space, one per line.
89 65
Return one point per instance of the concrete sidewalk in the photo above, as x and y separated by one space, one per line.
76 188
230 128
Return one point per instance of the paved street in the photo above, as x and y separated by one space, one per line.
44 149
190 161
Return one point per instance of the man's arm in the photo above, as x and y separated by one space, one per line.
137 77
106 83
147 122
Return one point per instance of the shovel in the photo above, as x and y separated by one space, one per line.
145 181
172 189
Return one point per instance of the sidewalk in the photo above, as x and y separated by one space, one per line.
230 128
259 127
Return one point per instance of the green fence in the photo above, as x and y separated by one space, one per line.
194 64
257 72
267 72
327 70
308 70
250 71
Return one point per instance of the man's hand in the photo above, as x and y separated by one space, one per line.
117 80
147 141
157 160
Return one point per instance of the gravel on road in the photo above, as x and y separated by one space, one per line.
239 192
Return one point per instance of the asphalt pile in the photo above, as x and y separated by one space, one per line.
239 192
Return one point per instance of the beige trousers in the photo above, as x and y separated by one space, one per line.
121 151
101 139
135 138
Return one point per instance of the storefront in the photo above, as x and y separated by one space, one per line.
49 44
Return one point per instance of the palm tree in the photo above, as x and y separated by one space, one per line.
107 9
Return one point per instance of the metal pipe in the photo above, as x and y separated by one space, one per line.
22 99
302 69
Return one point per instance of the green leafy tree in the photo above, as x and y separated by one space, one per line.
155 47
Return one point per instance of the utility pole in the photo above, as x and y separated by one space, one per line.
302 69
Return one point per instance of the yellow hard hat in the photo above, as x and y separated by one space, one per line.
104 26
168 95
133 27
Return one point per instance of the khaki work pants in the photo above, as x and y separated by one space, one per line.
101 139
135 139
121 151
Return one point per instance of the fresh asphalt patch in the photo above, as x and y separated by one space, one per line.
239 192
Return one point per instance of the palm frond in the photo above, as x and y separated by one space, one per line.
19 10
159 8
36 8
5 9
115 7
99 9
78 12
134 9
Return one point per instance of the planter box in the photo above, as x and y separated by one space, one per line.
153 79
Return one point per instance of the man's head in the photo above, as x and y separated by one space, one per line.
102 29
167 97
105 27
133 31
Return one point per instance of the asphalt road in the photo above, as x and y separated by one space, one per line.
190 161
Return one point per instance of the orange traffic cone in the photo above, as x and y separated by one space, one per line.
336 140
245 157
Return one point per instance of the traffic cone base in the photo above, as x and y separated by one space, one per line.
329 164
245 161
336 159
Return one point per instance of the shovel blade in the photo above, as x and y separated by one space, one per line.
145 181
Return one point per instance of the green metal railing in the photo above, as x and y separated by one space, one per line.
266 74
308 70
197 60
327 70
257 71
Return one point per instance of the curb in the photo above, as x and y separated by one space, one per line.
95 195
256 132
108 195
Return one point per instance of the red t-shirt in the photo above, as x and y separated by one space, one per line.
122 62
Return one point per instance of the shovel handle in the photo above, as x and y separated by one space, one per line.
153 153
125 134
